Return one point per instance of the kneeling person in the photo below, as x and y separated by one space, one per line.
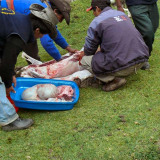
122 49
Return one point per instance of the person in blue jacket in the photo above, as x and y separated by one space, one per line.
17 30
62 9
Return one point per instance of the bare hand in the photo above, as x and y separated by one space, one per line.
8 90
14 81
78 56
71 50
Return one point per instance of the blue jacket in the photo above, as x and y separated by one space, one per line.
121 44
22 6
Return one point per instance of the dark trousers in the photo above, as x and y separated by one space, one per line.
32 50
146 20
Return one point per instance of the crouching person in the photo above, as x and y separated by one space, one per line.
16 31
122 49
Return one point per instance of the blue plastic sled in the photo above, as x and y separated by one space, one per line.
24 83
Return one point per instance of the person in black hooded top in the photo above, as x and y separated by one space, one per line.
16 31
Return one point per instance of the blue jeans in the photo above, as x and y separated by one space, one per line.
7 111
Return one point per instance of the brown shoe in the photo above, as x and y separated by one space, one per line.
78 81
88 82
115 84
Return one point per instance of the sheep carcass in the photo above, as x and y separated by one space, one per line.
48 92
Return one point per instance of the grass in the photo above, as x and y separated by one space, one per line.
120 125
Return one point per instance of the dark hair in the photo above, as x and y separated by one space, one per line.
94 9
100 4
101 7
38 23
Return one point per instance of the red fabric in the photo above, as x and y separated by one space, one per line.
10 4
12 102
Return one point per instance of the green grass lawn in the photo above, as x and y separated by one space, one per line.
120 125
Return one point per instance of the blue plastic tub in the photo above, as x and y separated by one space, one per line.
24 83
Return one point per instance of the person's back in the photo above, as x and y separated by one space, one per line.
20 23
121 44
122 50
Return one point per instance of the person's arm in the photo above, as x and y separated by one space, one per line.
92 42
50 48
71 50
60 40
13 47
119 5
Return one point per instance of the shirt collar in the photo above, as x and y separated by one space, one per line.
106 9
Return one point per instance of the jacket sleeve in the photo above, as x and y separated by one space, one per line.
14 45
92 42
49 46
60 40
